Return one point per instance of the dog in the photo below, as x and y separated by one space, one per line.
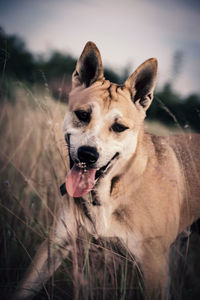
124 182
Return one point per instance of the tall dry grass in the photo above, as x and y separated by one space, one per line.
33 165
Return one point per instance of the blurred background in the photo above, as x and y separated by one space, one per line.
40 42
42 39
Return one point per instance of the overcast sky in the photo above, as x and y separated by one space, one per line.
127 32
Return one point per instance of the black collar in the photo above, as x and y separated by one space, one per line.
63 190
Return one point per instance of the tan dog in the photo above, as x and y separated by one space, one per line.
145 189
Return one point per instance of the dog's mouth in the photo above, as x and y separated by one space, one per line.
103 169
81 179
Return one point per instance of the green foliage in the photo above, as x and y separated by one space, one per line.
15 60
57 65
111 75
170 108
54 72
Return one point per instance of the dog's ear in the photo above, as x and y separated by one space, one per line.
142 83
89 67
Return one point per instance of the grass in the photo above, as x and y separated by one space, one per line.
33 164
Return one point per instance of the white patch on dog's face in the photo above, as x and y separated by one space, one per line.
98 133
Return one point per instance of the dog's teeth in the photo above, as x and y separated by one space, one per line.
81 165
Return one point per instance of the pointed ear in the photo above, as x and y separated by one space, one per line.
89 67
142 83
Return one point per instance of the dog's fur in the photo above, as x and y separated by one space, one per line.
148 193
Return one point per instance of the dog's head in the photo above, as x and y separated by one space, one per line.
104 119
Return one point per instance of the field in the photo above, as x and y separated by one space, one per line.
33 165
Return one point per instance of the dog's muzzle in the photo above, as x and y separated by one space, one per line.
83 173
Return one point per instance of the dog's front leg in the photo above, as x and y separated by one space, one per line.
47 260
49 255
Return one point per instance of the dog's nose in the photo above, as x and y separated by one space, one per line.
87 154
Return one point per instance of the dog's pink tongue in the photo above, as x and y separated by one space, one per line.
79 182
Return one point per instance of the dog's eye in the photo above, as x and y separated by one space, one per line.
83 116
118 127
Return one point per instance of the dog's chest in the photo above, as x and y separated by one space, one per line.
100 209
107 217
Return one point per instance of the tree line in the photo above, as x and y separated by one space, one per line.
17 64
